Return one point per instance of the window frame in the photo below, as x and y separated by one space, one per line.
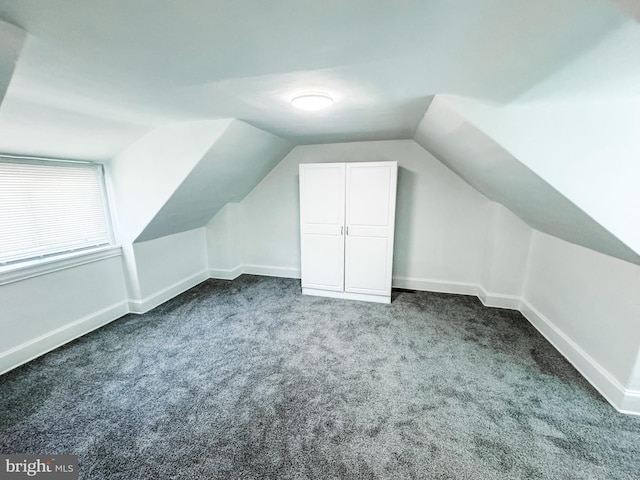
44 263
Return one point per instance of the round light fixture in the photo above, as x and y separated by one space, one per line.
312 101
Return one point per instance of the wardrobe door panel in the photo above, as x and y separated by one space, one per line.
323 262
370 218
322 225
366 265
368 191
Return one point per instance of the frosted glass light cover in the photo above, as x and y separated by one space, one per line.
312 101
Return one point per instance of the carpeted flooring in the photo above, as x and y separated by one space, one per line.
250 379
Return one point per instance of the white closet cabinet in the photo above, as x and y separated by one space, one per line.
347 216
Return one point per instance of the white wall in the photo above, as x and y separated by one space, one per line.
634 382
234 164
489 165
145 175
167 266
586 150
506 255
224 244
46 311
440 220
588 305
451 238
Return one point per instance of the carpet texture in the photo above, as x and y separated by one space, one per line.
250 379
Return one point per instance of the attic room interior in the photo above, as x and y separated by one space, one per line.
152 159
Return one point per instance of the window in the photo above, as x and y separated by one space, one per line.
50 207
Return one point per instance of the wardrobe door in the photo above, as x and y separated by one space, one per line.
322 199
370 218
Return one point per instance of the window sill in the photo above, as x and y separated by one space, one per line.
35 268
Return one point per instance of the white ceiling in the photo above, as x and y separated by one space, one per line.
95 75
151 83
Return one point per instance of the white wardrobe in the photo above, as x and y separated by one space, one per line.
347 216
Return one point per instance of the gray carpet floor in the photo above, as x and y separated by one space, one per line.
250 379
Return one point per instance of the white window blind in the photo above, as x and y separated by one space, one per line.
50 207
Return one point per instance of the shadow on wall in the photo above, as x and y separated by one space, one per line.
296 179
405 204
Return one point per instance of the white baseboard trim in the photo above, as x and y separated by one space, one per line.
269 271
430 285
612 390
489 299
56 338
630 403
226 273
497 300
461 288
623 400
266 270
166 294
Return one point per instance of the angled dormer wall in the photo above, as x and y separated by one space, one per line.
586 150
236 161
486 164
147 173
581 193
142 178
168 185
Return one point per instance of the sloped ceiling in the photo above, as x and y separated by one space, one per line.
115 81
487 166
11 40
235 163
587 150
145 175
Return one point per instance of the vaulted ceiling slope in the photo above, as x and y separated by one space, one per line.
577 130
234 164
11 40
177 177
178 97
145 176
493 170
587 151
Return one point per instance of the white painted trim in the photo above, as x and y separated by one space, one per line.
610 388
56 338
226 273
269 271
166 294
489 299
497 300
347 295
441 286
623 400
35 268
630 403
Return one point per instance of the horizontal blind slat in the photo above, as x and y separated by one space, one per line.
52 208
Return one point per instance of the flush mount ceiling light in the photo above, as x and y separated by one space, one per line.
312 101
